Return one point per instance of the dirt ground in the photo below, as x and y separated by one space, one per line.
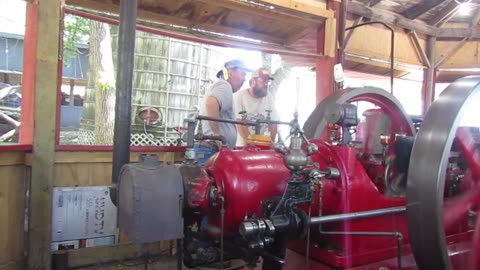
159 263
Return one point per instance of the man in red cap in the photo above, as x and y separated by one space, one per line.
255 103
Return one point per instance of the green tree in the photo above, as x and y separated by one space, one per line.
101 81
76 31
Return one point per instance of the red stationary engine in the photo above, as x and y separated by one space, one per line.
344 194
338 201
262 201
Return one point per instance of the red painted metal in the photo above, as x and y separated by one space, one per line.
467 145
29 74
249 176
324 75
245 178
59 77
476 241
397 117
354 192
18 147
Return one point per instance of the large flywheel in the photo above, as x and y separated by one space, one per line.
443 182
315 126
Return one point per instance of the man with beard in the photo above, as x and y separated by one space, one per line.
254 103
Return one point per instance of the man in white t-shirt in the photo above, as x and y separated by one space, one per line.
254 103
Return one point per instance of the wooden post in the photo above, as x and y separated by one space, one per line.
326 45
429 76
45 100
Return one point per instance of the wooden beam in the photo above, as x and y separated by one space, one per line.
299 35
357 21
421 53
452 51
12 158
266 12
168 19
475 18
96 255
330 37
428 90
445 14
391 18
459 33
312 7
45 99
374 3
420 9
62 157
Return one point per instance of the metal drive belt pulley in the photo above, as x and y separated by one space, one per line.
437 203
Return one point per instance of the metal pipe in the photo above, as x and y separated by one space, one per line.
245 123
357 215
191 124
392 46
341 32
179 254
397 235
222 225
123 97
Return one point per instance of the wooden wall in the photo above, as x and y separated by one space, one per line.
13 182
71 169
93 168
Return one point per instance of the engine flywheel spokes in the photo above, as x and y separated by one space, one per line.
443 187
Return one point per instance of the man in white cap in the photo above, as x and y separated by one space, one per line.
218 102
254 103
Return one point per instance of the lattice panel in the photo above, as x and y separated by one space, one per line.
142 139
86 137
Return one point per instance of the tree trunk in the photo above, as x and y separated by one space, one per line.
101 82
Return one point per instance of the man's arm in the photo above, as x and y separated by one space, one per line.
273 131
213 110
243 131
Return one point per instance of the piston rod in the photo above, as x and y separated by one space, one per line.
357 215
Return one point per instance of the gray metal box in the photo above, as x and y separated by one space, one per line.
150 201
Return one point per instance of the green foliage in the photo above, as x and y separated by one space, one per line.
104 86
76 31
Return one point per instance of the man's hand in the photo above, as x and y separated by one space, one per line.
218 144
243 131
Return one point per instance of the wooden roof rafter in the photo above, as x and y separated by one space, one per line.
434 28
420 9
267 21
445 14
390 18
